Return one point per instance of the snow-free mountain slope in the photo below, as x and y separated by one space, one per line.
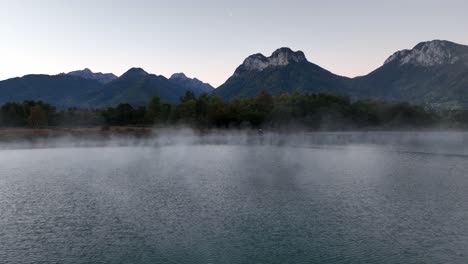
193 84
98 76
285 71
431 53
433 73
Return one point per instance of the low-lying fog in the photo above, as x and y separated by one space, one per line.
237 197
447 142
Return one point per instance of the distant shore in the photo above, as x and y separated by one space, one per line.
108 132
98 132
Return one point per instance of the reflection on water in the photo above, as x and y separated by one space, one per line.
355 202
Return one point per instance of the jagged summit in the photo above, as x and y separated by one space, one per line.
281 57
287 55
88 74
179 75
194 84
135 72
431 53
285 71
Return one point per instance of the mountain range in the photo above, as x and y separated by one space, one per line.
94 90
433 73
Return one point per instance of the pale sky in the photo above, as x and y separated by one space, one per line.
208 39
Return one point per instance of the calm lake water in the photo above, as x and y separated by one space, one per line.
395 201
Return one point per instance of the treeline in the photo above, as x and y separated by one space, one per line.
311 111
37 114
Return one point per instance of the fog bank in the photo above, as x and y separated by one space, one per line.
448 142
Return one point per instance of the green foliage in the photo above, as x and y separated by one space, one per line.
309 111
125 114
28 113
14 114
154 109
189 95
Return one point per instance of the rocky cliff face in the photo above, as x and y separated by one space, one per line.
281 57
431 53
433 73
285 71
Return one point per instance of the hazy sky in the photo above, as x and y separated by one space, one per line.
208 39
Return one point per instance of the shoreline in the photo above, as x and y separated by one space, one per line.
147 131
13 134
104 134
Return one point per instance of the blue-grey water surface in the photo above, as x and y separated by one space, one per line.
230 203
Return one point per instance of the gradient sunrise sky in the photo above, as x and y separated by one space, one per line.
208 39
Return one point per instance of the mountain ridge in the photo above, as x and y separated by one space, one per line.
431 53
432 73
194 84
88 74
86 89
285 71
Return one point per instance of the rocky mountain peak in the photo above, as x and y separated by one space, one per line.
179 75
430 53
135 72
88 74
284 56
194 84
281 57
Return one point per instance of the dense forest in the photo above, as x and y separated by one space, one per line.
307 111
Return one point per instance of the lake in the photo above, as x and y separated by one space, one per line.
308 198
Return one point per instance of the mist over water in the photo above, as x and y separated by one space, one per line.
441 142
232 197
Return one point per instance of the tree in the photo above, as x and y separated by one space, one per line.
124 114
154 109
37 117
189 95
14 114
186 111
219 112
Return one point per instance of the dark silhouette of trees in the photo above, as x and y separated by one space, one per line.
125 114
28 113
155 109
37 117
309 111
